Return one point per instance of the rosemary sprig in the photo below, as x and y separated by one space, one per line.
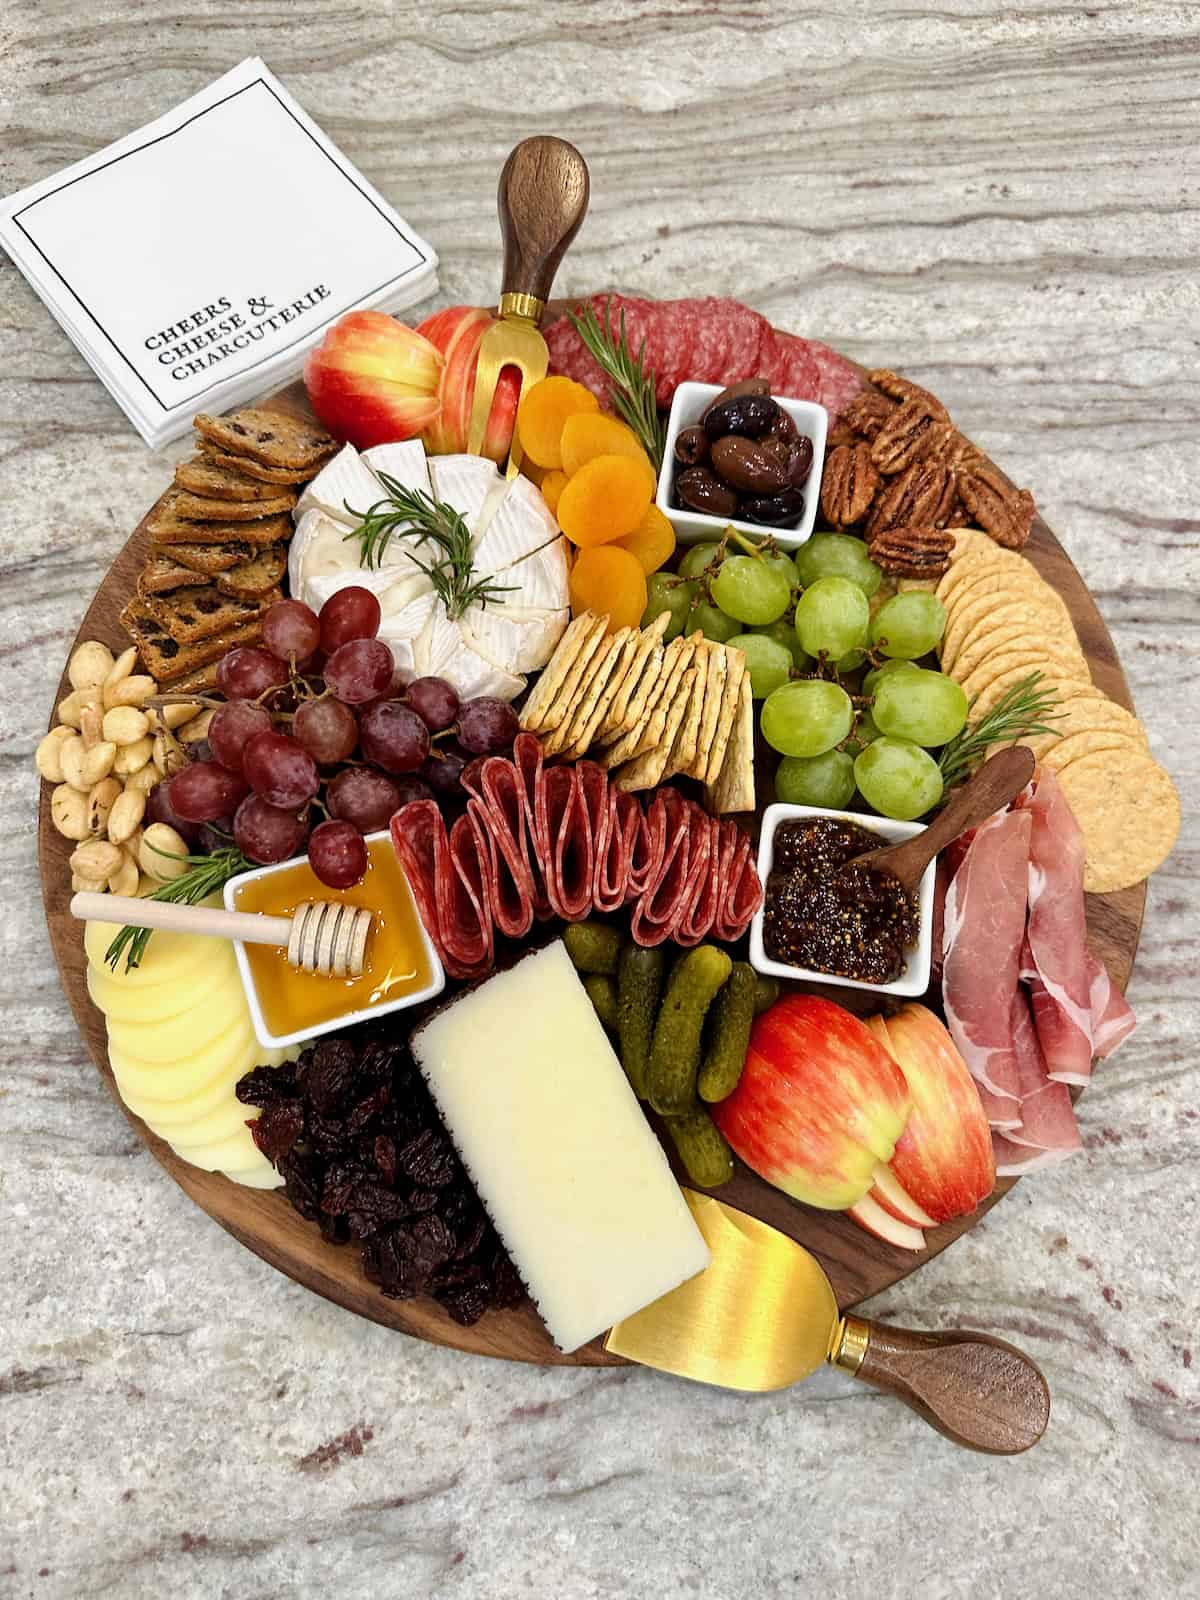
205 875
1022 711
631 385
452 571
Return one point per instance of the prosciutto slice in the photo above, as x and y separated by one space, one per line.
1112 1017
1047 1114
982 935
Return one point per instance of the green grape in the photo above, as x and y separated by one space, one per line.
807 717
783 633
696 559
713 624
850 662
898 778
779 561
927 707
863 733
747 588
837 555
908 625
826 780
664 592
832 616
768 662
873 678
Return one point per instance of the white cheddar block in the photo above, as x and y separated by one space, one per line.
556 1143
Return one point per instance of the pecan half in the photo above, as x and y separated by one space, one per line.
866 413
921 497
839 434
1004 512
949 446
902 389
848 484
913 552
905 437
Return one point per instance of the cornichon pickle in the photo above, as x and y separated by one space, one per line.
766 992
639 985
593 947
706 1157
602 992
729 1035
675 1053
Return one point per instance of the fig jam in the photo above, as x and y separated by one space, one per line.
850 921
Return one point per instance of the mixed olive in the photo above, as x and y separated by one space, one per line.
745 458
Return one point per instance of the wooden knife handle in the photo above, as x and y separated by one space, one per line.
997 782
543 197
979 1391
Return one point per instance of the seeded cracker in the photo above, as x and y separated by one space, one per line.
209 559
735 787
283 476
162 575
200 476
268 437
682 756
590 685
629 701
583 728
648 732
196 614
542 703
715 678
649 767
252 578
204 508
735 671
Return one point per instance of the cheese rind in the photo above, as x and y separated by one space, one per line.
558 1147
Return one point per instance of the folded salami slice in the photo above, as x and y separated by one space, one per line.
563 844
446 874
527 760
502 811
839 381
649 848
419 840
610 885
699 912
656 911
743 894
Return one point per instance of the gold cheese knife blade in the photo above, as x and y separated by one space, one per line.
763 1315
542 199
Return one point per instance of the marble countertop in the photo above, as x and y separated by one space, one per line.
999 201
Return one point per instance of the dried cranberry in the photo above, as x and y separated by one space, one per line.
277 1128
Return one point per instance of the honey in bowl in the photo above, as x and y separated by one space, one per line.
397 962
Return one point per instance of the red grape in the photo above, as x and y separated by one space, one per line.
248 672
160 809
443 772
434 701
291 630
232 724
409 789
364 797
265 833
486 727
393 737
349 614
216 835
326 728
203 791
360 670
337 854
280 770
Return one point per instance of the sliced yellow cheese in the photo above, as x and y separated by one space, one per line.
169 957
222 1122
178 1039
173 1115
129 1002
235 1049
236 1153
262 1177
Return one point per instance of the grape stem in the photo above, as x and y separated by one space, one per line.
157 701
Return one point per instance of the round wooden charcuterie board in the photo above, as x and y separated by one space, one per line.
858 1264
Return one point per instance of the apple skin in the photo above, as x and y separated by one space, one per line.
818 1104
456 333
372 380
885 1225
944 1158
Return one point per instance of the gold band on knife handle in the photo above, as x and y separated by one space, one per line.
521 305
853 1338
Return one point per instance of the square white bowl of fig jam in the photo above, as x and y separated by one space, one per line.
688 404
914 980
402 967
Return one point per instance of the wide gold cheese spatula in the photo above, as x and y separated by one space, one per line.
763 1316
542 199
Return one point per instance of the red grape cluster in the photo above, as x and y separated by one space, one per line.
319 708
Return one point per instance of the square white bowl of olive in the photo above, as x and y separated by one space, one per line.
918 957
754 461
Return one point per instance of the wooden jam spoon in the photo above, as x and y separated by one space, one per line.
998 781
326 937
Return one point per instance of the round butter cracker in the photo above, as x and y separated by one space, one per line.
1128 811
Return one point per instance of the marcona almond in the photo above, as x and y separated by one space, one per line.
197 728
71 709
131 758
146 777
176 716
121 668
70 757
104 795
161 853
130 691
168 753
126 815
48 756
91 726
96 859
89 665
68 811
125 724
126 878
133 844
98 762
80 884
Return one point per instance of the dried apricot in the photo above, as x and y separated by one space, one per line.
589 434
544 411
652 542
552 487
533 472
611 582
605 500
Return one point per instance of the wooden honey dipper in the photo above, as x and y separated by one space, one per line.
322 936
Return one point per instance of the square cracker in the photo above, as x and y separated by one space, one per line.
648 731
562 672
682 756
569 715
716 669
735 671
650 766
592 713
734 789
267 436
